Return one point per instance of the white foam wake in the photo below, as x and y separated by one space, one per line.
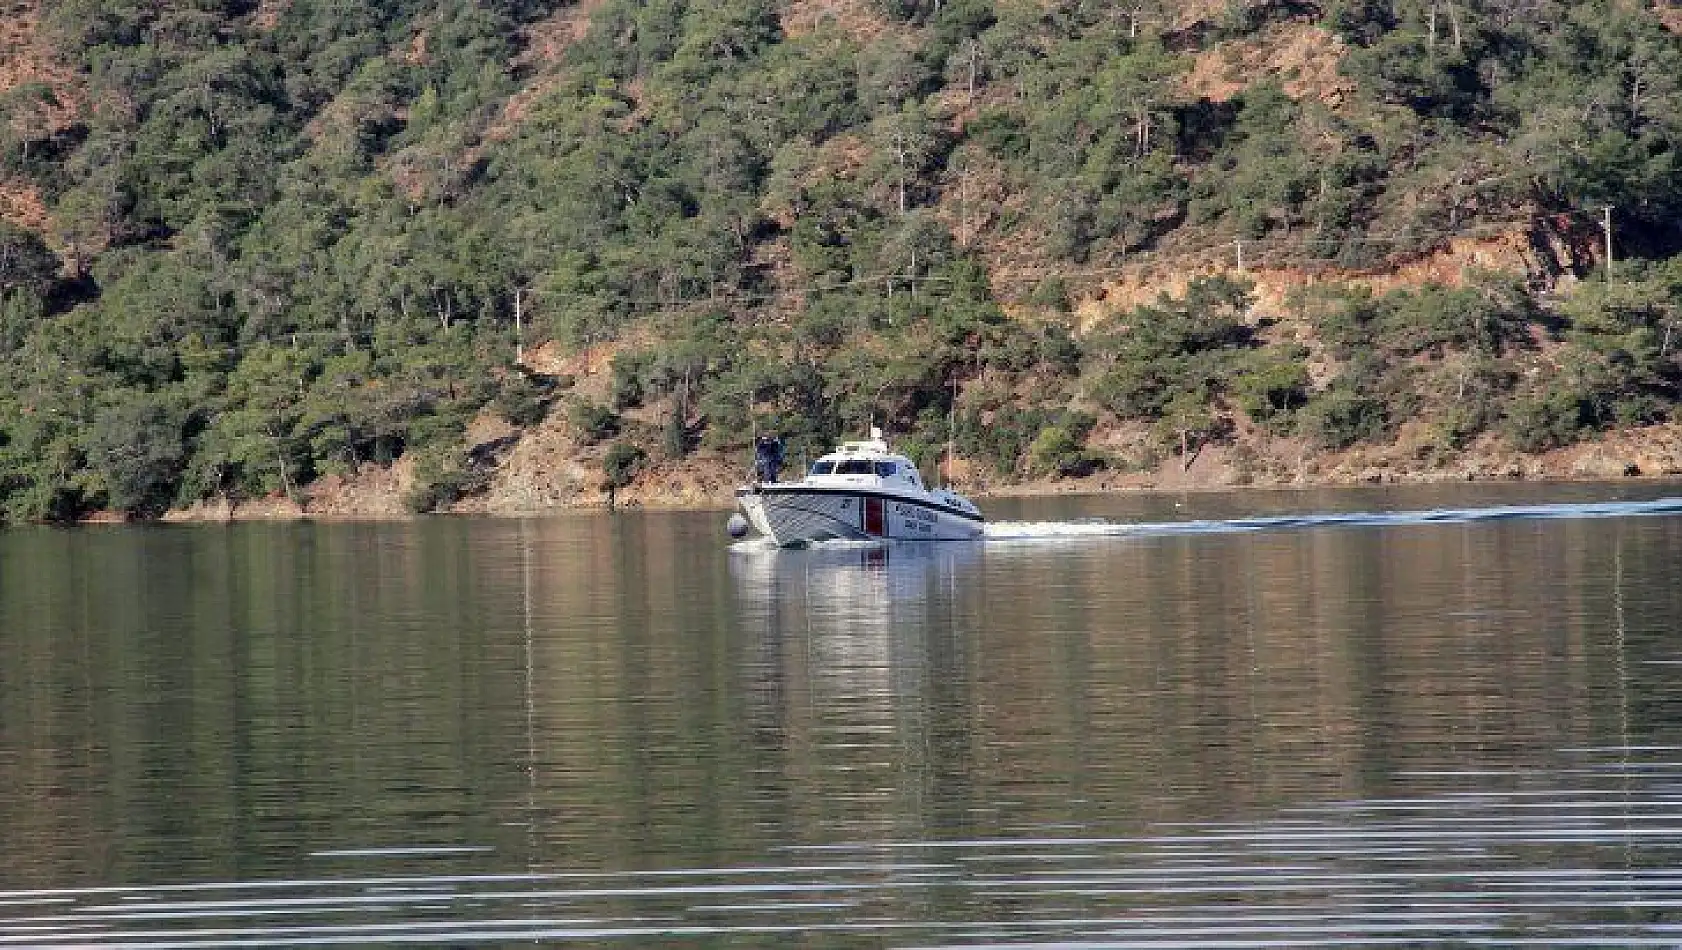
1055 530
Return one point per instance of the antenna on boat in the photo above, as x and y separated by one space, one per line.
951 429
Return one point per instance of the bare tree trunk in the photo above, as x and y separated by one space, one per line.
974 65
900 150
519 327
963 209
285 473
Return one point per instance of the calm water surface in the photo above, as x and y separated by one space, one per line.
1260 719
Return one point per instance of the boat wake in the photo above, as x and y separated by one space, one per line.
1009 532
1012 531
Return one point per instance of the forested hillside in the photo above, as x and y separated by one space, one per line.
246 246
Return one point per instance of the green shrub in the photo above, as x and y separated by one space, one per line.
1433 318
1341 417
1001 436
1052 294
1135 390
1003 135
622 463
1270 388
524 398
1188 422
138 449
593 421
1058 350
1460 422
441 478
629 387
1060 449
1541 421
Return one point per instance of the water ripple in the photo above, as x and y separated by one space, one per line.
1592 862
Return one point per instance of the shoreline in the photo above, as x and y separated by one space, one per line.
277 510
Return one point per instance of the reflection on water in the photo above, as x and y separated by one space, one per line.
851 643
1308 731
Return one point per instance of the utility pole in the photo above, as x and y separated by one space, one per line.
1606 227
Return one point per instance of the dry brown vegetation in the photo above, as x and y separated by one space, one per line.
547 40
1511 250
852 18
268 13
27 58
21 204
545 46
1304 57
1670 14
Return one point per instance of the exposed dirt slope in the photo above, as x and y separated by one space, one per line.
546 43
853 18
46 97
26 58
21 205
1514 251
1670 14
1304 57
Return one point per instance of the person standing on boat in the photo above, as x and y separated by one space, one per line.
767 458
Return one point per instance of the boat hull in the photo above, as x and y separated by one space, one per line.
794 515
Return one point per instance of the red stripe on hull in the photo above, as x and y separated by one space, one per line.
872 508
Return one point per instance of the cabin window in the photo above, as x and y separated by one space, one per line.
855 467
885 469
822 468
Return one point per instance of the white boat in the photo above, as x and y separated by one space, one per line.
861 491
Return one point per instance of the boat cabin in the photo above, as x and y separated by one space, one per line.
866 469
